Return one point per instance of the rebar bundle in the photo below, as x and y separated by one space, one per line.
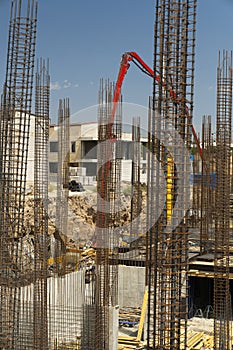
222 301
136 196
207 185
195 213
41 206
108 207
62 179
170 136
14 128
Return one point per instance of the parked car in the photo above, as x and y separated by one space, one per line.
75 186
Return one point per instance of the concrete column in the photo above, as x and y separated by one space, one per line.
113 327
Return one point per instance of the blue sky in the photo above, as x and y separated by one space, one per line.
84 41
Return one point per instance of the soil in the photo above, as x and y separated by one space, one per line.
82 215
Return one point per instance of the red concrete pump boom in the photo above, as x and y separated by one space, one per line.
138 61
125 64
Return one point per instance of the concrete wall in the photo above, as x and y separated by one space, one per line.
131 286
65 306
64 312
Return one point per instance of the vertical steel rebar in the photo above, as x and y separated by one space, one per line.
42 96
207 188
62 182
15 122
222 301
168 249
136 195
108 207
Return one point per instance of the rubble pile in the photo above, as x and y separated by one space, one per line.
82 215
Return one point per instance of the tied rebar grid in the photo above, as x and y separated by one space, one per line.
108 208
222 301
42 95
168 250
15 122
61 230
207 188
136 193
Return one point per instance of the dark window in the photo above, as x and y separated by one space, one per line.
89 149
73 146
126 150
53 167
144 148
53 146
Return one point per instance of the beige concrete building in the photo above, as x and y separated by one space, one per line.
83 153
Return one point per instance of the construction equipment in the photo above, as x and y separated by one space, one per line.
168 89
132 56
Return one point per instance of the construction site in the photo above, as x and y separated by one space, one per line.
143 264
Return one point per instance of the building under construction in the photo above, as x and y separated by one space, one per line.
156 275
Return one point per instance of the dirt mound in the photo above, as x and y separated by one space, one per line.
82 215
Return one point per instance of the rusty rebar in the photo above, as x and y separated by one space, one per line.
61 230
222 299
207 186
15 123
108 209
136 195
42 99
174 45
